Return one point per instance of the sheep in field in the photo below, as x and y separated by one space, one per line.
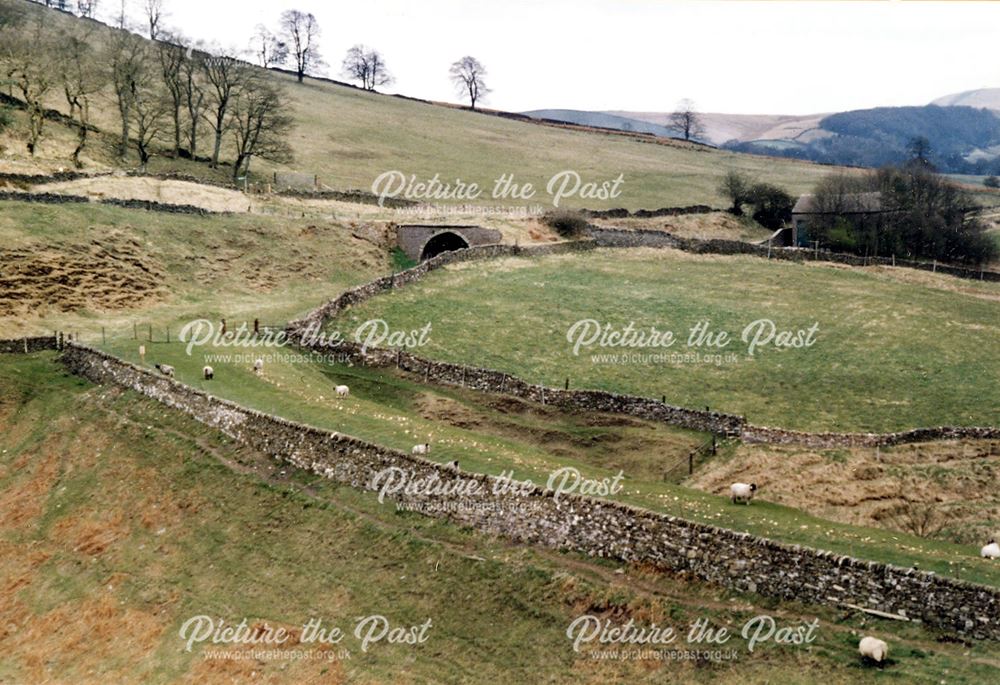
165 369
453 465
342 391
873 649
208 372
258 367
742 492
423 449
991 550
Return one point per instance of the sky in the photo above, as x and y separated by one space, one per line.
778 57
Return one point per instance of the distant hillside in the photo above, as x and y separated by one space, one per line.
348 137
962 139
984 97
964 133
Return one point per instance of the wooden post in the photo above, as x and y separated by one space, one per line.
168 333
567 384
663 400
894 259
135 331
934 267
104 337
690 463
714 445
815 249
150 332
769 248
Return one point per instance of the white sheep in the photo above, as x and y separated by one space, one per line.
421 449
258 367
342 391
165 369
208 372
453 465
742 492
874 649
991 550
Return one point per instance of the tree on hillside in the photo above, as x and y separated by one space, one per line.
469 77
155 12
260 125
736 186
367 66
919 149
150 111
129 68
82 77
87 8
268 50
686 120
225 77
171 55
26 50
300 32
194 95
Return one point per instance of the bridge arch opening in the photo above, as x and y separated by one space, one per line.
443 242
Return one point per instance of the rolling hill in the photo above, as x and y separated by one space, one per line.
347 137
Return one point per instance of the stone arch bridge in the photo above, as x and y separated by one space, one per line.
423 241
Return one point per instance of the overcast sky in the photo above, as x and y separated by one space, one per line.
642 55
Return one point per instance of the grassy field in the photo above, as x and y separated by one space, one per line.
121 519
893 349
348 137
82 266
490 434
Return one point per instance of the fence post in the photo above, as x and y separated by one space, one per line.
150 332
934 267
135 331
567 384
690 463
168 333
104 337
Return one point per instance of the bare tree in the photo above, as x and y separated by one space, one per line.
155 12
81 77
150 110
225 77
25 52
127 60
366 65
194 94
300 32
260 125
469 75
171 55
268 50
87 8
686 120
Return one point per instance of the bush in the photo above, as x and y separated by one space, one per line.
736 187
989 181
772 206
565 222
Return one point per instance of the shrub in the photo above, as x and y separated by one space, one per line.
991 182
736 187
772 206
565 222
400 261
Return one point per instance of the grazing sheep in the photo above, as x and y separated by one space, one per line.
342 391
165 369
421 449
452 464
208 372
258 367
873 649
991 550
142 352
742 492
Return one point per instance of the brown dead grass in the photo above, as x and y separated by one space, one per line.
715 225
865 487
211 198
110 273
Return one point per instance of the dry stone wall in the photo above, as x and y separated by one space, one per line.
600 528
